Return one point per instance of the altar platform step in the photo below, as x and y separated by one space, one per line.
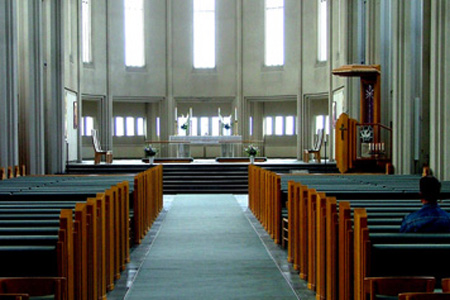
201 176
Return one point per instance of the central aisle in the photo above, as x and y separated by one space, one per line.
207 249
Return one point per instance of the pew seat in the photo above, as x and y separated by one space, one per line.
14 296
392 286
35 286
26 260
424 296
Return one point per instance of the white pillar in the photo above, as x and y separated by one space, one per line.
8 85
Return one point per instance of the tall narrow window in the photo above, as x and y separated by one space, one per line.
274 33
140 127
158 127
87 125
279 124
268 126
134 33
86 30
204 126
322 30
204 34
119 126
194 124
215 121
129 125
290 125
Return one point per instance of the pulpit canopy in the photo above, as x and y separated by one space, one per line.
357 70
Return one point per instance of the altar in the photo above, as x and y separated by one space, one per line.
227 143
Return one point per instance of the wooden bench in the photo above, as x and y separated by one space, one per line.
40 255
93 240
380 256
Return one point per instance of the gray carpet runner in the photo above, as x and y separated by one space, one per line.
207 249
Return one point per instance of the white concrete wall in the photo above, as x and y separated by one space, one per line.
171 41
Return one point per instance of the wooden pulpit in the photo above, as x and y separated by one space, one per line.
364 145
345 147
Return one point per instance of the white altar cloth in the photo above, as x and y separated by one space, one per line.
206 139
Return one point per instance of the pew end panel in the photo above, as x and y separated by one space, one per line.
445 283
35 286
81 251
345 251
392 286
109 239
66 251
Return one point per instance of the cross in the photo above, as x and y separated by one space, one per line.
342 129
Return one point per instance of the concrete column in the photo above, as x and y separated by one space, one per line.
440 89
53 14
8 85
31 81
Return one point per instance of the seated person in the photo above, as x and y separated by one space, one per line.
430 218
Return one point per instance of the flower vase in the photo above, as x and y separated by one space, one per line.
151 159
252 159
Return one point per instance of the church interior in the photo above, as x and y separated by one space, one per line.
221 149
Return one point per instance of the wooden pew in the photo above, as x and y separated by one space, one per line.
381 219
100 255
379 256
41 255
112 251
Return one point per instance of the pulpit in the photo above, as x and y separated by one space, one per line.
364 145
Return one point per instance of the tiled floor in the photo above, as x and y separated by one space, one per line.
278 255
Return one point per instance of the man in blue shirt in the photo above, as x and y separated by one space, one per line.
430 218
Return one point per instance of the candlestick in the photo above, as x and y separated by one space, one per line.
176 113
235 113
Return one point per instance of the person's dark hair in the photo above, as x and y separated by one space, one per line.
430 188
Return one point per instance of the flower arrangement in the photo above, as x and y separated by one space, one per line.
149 151
251 150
